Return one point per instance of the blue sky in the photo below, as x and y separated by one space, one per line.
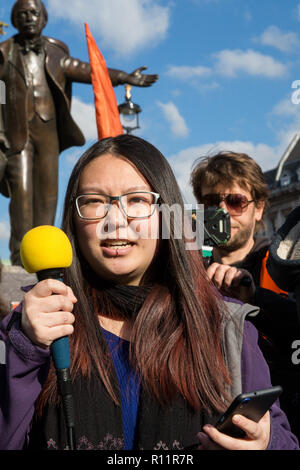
226 70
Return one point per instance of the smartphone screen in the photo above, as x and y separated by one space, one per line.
252 405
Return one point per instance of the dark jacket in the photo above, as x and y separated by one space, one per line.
278 327
254 259
278 314
25 367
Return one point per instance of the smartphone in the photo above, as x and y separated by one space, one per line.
252 405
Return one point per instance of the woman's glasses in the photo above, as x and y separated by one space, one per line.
135 205
235 203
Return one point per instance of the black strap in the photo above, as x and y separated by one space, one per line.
16 317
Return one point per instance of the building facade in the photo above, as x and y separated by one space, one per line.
284 185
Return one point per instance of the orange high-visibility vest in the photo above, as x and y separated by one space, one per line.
265 279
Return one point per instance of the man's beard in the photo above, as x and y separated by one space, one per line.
238 240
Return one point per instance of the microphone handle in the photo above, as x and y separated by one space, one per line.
246 282
60 348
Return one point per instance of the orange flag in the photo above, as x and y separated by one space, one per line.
107 113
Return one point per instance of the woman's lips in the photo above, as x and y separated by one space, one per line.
115 248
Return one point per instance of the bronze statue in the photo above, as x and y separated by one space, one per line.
35 123
3 25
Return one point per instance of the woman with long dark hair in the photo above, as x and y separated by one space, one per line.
156 353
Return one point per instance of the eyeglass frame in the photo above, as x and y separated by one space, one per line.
116 198
223 199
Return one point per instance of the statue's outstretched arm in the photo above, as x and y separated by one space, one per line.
78 71
135 78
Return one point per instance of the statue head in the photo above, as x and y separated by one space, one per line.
29 17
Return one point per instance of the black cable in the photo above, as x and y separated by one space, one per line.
65 389
70 431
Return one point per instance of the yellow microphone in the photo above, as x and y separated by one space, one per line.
46 251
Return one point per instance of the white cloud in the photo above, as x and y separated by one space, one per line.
122 26
248 15
186 72
266 156
273 36
199 2
230 62
4 230
286 107
176 121
284 119
84 116
194 76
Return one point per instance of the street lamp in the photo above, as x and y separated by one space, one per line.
3 25
129 112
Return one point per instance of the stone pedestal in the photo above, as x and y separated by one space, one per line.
13 278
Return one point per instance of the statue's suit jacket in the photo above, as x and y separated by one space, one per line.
61 71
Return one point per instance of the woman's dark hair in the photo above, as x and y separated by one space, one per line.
176 338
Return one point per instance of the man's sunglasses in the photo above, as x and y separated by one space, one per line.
235 203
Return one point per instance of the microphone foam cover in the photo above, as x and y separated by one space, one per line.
45 247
